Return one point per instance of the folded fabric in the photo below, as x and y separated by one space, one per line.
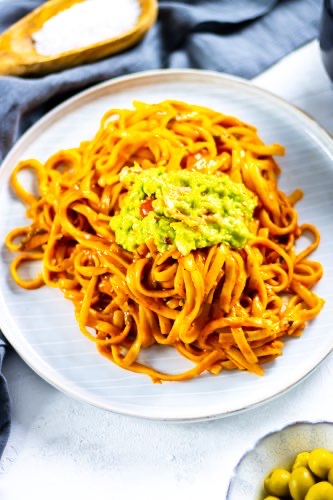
239 37
4 402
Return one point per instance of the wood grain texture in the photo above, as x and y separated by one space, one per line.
18 55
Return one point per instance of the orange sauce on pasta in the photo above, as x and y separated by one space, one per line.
219 307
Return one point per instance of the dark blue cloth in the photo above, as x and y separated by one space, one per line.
4 401
239 37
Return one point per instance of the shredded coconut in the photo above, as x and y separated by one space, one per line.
84 24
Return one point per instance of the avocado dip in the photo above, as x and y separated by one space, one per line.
182 208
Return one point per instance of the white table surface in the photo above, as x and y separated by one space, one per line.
60 448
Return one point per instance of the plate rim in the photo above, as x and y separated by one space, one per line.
316 130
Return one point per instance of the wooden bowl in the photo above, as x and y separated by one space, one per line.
18 55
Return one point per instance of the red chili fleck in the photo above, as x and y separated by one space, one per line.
146 207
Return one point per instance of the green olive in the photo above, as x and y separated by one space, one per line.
320 462
300 482
277 483
301 460
320 491
330 475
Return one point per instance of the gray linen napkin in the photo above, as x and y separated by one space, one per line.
239 37
4 401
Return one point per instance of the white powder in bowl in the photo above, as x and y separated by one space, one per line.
84 24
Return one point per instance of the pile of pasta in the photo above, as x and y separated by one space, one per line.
220 308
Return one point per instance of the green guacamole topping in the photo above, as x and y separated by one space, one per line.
182 208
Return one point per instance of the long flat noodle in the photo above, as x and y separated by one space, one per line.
220 308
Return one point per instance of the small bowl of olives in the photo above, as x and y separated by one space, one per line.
294 463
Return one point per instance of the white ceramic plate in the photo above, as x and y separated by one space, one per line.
40 324
277 449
